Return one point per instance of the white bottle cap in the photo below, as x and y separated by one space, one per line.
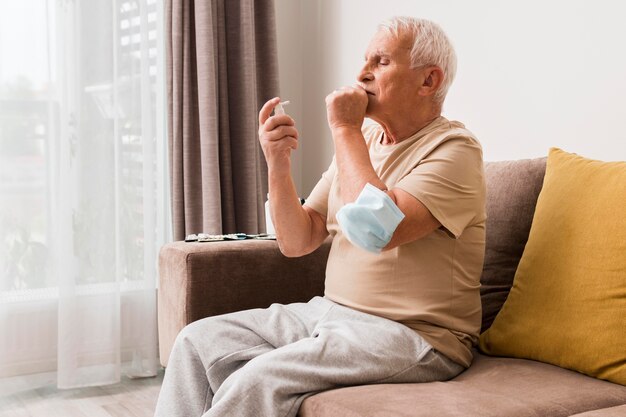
279 107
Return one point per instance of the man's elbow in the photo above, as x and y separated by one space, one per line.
371 221
392 194
291 251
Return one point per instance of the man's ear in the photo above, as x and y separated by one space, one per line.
433 78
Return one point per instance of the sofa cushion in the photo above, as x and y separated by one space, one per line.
567 306
512 190
498 387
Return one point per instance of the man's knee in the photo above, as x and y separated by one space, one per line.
257 374
193 330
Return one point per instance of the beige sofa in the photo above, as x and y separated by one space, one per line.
204 279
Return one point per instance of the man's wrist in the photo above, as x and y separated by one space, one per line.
279 170
345 130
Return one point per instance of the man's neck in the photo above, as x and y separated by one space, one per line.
404 127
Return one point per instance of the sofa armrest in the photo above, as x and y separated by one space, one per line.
198 280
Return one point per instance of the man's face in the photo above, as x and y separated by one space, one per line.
391 84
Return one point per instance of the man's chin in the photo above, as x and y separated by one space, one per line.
371 109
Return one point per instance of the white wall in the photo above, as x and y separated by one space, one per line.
532 74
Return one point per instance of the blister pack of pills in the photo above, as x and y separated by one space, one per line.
205 237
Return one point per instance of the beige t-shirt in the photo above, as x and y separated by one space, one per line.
432 284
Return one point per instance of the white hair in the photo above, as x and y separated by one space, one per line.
431 46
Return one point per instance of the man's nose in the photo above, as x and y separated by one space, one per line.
365 75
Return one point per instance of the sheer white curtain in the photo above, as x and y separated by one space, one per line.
83 196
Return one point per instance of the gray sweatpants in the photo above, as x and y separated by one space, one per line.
264 362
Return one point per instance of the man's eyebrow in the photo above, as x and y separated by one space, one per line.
378 54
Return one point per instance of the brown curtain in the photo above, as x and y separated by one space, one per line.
221 67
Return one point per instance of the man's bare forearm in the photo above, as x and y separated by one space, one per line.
296 231
294 227
353 163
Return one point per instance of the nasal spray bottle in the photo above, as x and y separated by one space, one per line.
279 107
269 226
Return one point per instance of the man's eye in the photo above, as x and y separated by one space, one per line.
384 62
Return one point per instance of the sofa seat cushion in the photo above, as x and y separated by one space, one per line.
492 386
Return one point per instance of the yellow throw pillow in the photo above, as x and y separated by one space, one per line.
567 305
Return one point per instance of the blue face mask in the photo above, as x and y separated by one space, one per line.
370 221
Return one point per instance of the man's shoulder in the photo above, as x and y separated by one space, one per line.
453 131
447 127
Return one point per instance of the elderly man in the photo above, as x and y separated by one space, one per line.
404 202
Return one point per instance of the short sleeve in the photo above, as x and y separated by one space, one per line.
318 199
450 183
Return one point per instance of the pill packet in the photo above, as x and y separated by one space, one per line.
205 237
191 238
263 236
235 236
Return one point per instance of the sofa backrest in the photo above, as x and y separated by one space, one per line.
512 191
